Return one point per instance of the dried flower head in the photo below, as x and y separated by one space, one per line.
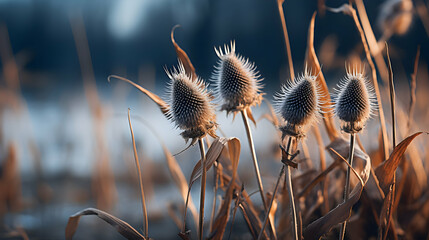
237 83
298 103
396 16
191 109
354 101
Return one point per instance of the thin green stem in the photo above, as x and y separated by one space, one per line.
203 187
347 186
255 163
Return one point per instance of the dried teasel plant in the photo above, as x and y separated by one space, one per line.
354 100
299 105
190 106
238 88
236 81
192 111
354 103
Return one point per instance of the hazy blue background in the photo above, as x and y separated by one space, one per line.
131 38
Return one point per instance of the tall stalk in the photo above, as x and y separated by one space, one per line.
136 158
203 187
347 186
256 166
255 160
291 197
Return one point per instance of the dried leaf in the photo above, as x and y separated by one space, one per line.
212 154
180 181
339 214
122 227
314 67
222 217
183 57
386 212
163 106
386 170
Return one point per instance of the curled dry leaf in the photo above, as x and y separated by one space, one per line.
182 56
222 217
386 170
122 227
339 214
163 106
315 69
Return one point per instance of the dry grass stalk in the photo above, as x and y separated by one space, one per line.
121 227
203 188
103 179
286 38
315 69
136 158
390 199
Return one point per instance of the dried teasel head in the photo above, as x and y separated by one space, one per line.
191 109
299 104
395 16
354 101
237 83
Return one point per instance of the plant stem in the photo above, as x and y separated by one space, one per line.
255 160
267 215
286 37
255 163
203 187
266 219
146 234
347 186
292 202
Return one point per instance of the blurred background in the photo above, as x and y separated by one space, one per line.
64 137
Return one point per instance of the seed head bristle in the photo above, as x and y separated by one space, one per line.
396 16
354 101
299 104
191 109
237 83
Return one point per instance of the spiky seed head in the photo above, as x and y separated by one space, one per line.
191 109
395 16
298 103
354 101
237 83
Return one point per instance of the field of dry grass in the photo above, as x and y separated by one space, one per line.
339 150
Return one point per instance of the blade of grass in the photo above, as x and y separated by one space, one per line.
313 62
391 193
121 227
286 38
136 158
